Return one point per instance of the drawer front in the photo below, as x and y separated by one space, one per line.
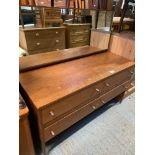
79 38
52 13
53 112
50 23
45 43
77 30
75 116
115 80
40 34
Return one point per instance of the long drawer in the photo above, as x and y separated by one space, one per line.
41 43
39 34
61 108
80 113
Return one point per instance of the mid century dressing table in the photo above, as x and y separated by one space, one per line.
62 87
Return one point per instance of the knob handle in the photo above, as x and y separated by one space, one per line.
52 133
57 41
51 113
93 107
38 44
56 32
97 90
131 71
37 34
107 84
57 49
102 101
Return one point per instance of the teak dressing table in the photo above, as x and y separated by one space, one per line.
62 87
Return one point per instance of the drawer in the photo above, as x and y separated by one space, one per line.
44 43
53 23
53 112
76 30
79 38
64 123
115 80
40 34
52 13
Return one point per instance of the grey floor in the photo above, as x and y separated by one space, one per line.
107 131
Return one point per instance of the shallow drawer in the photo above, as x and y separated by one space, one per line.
115 80
80 113
67 104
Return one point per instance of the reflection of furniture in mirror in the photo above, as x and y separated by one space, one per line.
77 35
38 40
51 17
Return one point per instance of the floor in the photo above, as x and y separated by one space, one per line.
107 131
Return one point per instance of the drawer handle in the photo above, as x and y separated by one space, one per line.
38 44
131 72
97 90
57 41
37 34
57 32
57 49
93 107
103 101
51 113
107 84
52 133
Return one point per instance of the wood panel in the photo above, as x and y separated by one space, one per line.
123 44
44 59
99 39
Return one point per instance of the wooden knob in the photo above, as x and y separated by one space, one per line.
51 113
38 44
102 101
37 34
57 41
52 133
97 90
56 32
107 84
93 107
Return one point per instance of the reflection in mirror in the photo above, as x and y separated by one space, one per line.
98 13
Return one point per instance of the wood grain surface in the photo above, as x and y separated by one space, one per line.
49 84
123 44
44 59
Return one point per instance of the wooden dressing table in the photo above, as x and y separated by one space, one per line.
62 90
